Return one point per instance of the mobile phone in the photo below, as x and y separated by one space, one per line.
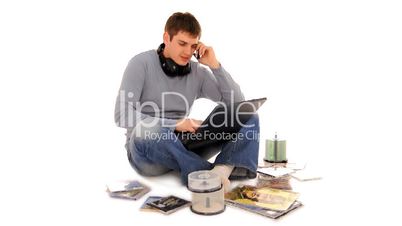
196 54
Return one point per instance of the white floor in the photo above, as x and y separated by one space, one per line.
333 200
326 202
67 187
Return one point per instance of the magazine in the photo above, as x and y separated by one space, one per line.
266 212
265 197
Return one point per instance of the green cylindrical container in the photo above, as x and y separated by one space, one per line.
275 151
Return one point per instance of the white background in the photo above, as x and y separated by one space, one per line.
330 71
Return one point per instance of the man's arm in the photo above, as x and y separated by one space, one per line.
126 114
218 86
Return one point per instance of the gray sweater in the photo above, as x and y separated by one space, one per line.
144 85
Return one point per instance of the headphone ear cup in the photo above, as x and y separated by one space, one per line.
160 48
172 67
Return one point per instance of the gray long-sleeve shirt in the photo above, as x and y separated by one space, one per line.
146 91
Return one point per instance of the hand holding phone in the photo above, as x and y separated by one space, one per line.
206 55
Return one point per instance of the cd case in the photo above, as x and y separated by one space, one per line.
132 189
167 205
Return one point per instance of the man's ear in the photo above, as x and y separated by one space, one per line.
166 37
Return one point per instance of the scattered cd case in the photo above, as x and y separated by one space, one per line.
282 183
127 189
146 207
305 175
165 205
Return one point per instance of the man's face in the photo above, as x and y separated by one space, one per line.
181 48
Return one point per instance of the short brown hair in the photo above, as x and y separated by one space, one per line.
182 22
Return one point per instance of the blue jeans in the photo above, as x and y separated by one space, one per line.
152 157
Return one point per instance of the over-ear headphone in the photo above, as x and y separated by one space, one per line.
170 67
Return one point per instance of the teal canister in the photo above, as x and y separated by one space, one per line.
275 151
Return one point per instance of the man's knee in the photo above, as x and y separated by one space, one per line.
254 121
150 169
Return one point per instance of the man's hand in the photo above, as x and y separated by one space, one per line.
207 56
188 125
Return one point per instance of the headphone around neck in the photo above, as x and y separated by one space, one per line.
170 67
